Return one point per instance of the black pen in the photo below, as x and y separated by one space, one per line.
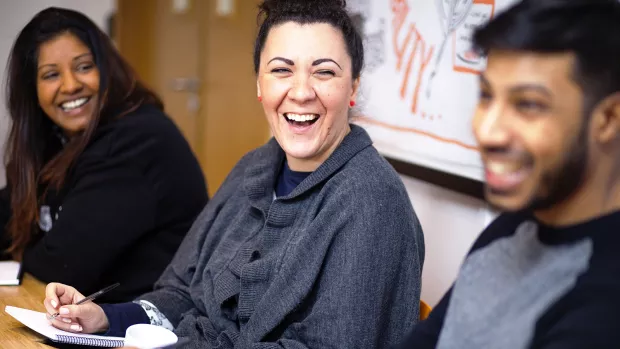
90 298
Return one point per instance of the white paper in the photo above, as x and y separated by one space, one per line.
9 273
38 322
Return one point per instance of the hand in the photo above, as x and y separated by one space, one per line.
83 318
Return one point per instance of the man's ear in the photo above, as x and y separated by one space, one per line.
606 119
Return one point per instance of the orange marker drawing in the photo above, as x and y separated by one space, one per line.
464 59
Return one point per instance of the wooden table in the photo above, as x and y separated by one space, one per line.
29 295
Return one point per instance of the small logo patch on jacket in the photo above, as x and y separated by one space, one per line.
45 218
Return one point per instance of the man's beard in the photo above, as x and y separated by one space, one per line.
561 183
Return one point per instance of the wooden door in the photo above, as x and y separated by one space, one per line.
177 64
200 63
236 122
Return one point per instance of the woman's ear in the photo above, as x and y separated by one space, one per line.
356 85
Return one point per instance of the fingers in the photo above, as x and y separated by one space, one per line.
52 301
71 311
61 293
68 318
67 324
50 306
57 295
84 318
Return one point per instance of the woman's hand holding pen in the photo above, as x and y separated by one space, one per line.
84 318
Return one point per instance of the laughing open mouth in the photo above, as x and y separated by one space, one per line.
301 119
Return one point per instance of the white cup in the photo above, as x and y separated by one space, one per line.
146 336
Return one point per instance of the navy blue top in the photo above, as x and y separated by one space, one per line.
289 180
122 315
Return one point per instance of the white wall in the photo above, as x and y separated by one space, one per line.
451 222
14 14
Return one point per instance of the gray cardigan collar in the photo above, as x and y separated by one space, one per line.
266 162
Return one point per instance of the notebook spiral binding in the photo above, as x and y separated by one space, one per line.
114 343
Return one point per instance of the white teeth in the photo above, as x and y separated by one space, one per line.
501 168
300 117
74 104
497 168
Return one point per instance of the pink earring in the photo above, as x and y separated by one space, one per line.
260 99
352 104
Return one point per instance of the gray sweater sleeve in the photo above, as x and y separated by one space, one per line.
171 295
368 291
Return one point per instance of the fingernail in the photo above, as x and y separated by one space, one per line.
76 327
54 304
64 319
64 311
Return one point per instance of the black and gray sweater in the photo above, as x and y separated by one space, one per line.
528 285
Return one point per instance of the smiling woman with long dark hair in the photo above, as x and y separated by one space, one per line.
102 187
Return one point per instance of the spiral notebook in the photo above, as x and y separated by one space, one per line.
38 322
